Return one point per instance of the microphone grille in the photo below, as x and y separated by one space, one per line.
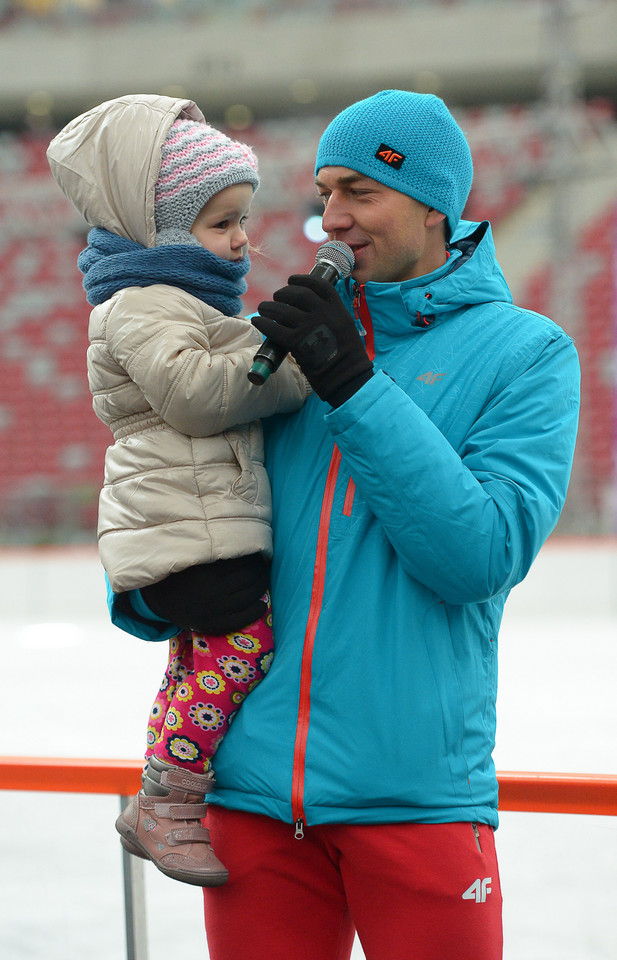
337 253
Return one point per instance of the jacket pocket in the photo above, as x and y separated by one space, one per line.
245 485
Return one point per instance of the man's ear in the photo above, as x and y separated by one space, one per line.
433 217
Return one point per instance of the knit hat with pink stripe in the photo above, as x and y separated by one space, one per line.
197 162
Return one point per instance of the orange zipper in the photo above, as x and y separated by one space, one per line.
304 707
319 578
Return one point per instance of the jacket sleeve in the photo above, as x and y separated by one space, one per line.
128 612
467 523
165 347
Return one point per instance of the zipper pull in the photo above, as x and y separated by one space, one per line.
476 834
356 308
299 834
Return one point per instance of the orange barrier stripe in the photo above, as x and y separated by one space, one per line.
71 775
586 793
583 793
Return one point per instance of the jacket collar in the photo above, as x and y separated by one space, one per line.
471 276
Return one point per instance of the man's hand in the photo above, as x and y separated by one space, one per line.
308 319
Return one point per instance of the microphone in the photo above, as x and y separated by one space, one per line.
333 260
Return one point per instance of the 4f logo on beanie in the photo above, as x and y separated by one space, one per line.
392 158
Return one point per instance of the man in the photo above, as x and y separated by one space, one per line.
356 789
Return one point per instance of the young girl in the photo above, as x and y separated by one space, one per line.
184 513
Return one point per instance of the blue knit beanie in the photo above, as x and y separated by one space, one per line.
407 141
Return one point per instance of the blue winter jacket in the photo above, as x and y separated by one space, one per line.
401 521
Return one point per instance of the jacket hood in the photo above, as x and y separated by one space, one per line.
472 276
475 276
107 161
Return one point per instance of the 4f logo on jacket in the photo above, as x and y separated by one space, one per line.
392 158
431 376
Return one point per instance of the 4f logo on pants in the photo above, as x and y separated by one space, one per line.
478 891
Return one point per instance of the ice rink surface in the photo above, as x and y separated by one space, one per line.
76 686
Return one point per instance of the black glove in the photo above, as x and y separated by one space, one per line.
308 319
214 598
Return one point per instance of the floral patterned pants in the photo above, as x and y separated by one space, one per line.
206 680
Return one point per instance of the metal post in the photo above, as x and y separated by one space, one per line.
134 903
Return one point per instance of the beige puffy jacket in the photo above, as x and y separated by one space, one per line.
185 481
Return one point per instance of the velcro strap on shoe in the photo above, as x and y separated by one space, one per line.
180 811
186 780
190 834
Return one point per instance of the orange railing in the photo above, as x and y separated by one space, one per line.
580 793
51 774
526 792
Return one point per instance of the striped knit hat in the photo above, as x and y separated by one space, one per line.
197 162
408 141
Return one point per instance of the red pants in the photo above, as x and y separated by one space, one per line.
412 891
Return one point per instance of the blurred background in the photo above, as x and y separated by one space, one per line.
532 82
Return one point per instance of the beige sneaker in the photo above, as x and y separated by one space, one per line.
167 829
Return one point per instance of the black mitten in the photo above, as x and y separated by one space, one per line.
308 319
214 598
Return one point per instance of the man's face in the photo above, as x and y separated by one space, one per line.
393 236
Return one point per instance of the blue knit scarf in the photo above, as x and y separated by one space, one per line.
109 263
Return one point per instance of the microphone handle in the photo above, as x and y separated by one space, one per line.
270 356
267 360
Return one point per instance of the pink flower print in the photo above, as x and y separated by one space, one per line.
236 669
173 720
207 716
183 748
156 710
244 642
200 644
184 692
211 681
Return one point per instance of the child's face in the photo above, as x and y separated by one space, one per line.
220 224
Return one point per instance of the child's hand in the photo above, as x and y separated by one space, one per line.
213 598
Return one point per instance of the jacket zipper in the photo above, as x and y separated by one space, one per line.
363 316
304 706
319 576
476 834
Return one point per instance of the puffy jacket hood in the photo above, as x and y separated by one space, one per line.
107 161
